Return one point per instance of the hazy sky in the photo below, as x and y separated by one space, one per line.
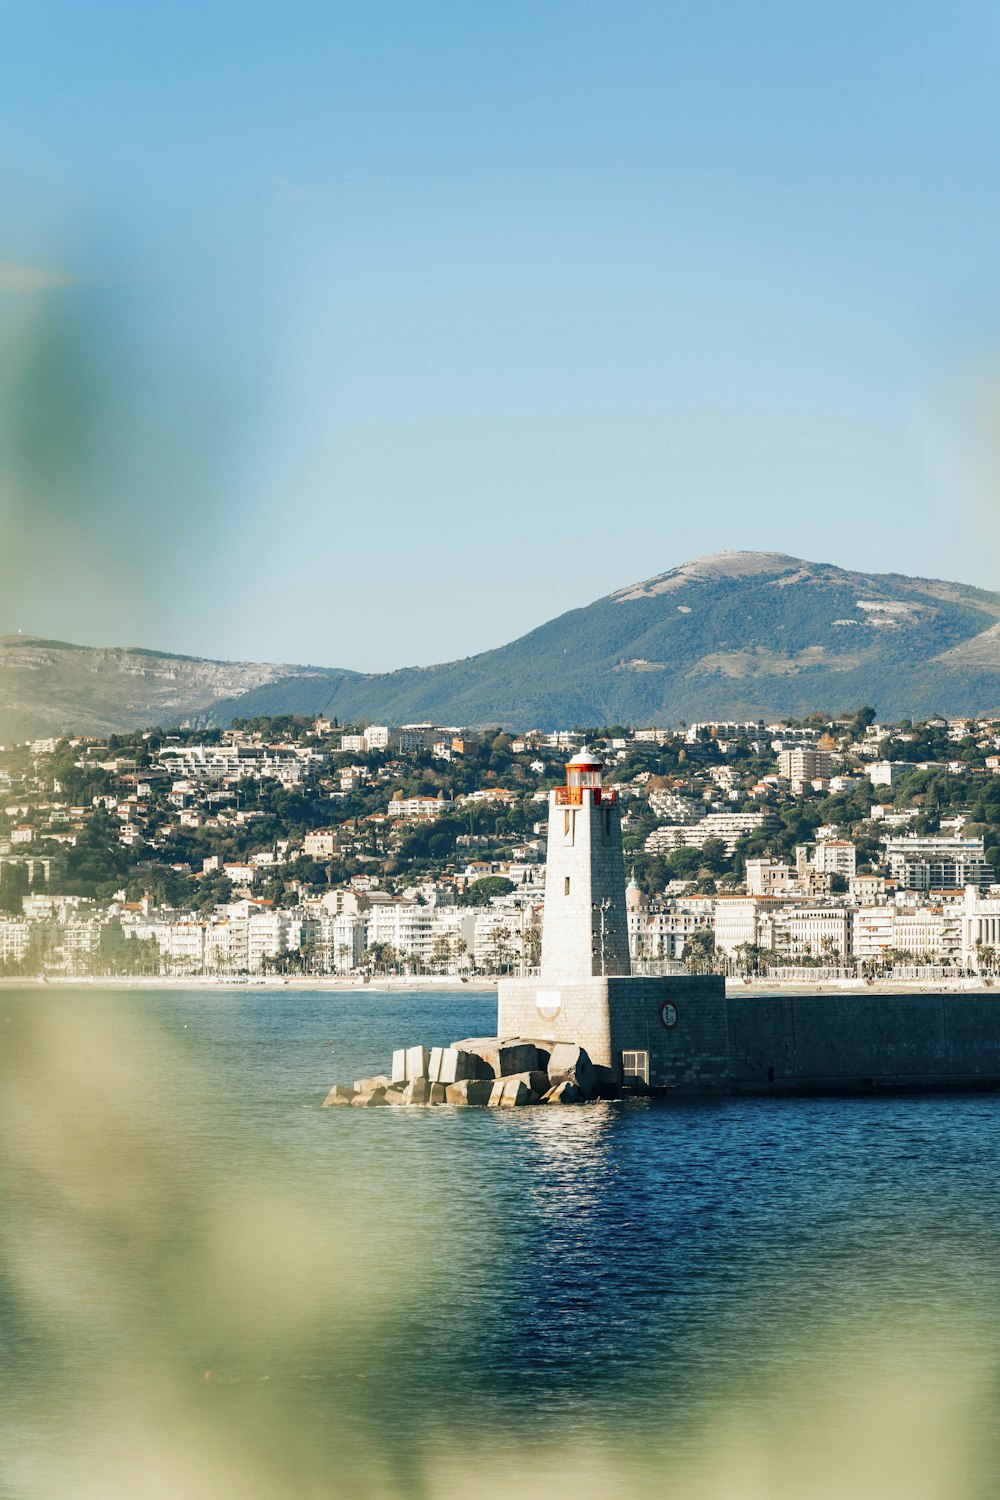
377 334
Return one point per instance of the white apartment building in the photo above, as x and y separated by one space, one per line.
404 926
664 934
418 807
273 934
344 936
678 808
497 939
874 931
730 827
835 857
740 920
980 926
937 863
181 943
226 945
456 926
808 931
803 764
932 934
885 772
15 937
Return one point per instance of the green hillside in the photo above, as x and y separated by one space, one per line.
740 635
736 635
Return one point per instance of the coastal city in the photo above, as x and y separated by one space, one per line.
819 848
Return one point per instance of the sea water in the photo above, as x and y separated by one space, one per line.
214 1286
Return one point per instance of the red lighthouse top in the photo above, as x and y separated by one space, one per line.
583 772
584 769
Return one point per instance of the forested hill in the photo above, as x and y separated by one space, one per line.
739 635
52 688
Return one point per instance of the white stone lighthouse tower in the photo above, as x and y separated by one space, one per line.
662 1033
585 933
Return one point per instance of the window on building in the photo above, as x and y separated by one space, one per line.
635 1066
566 887
606 826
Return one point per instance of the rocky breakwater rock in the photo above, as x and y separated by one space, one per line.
377 1096
339 1095
482 1071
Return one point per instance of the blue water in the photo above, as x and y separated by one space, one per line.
382 1280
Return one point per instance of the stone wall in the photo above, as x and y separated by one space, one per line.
611 1016
681 1023
758 1043
827 1043
557 1013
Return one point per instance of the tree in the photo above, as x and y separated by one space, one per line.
501 948
481 892
13 886
441 952
699 952
750 957
713 856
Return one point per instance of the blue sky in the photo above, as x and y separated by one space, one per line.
376 335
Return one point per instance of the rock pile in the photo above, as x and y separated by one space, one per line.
486 1071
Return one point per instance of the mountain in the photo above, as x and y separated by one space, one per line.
50 687
738 635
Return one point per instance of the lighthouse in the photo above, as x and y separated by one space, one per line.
658 1032
585 934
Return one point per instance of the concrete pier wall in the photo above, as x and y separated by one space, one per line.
829 1043
688 1048
702 1041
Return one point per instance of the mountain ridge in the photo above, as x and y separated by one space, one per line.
733 635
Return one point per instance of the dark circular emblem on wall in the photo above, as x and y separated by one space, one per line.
669 1015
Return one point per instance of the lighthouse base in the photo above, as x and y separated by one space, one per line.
670 1033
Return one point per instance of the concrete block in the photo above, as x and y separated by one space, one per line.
438 1094
417 1062
367 1085
543 1047
515 1092
568 1060
457 1064
470 1091
434 1064
563 1092
516 1056
395 1096
535 1081
365 1101
486 1049
399 1065
417 1091
340 1094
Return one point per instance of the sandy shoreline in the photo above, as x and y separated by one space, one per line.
202 982
449 984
